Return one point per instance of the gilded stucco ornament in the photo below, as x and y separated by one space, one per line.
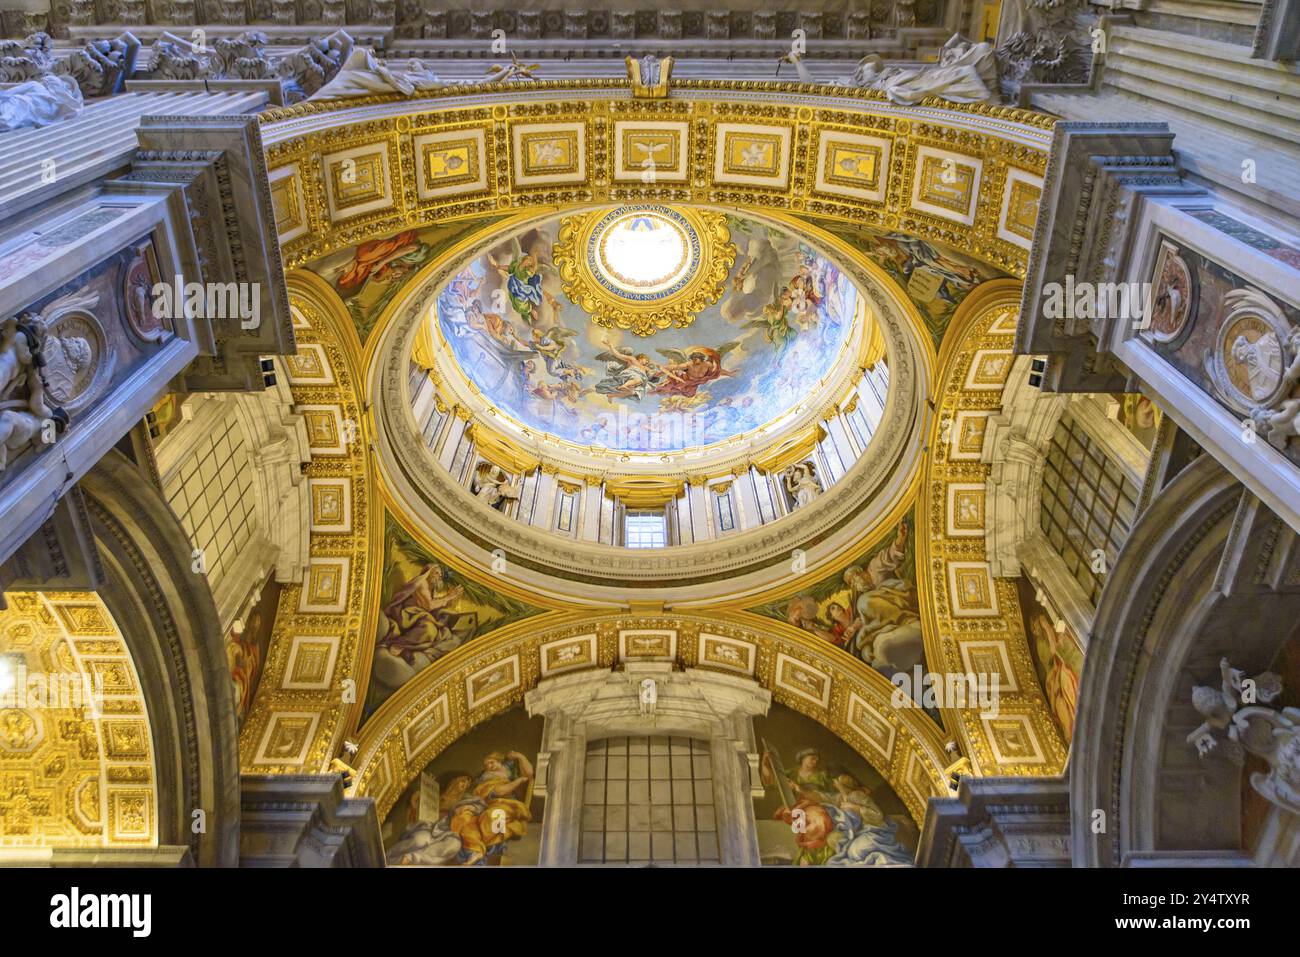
644 268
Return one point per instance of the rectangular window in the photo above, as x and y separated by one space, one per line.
726 514
645 530
1088 504
564 521
212 495
648 799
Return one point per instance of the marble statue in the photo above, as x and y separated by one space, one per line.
362 74
245 57
27 420
26 416
1279 423
514 70
1045 43
648 697
966 73
493 487
39 102
99 68
1235 725
650 76
313 66
15 355
800 480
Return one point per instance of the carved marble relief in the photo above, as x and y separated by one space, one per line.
412 18
245 57
99 68
1237 342
65 352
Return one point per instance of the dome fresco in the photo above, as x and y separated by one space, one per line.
771 327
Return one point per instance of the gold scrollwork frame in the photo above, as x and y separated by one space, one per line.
715 257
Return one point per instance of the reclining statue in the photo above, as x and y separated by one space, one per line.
39 102
966 73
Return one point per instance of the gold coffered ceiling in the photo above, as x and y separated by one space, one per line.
76 751
348 171
969 176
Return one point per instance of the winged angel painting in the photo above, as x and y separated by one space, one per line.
781 322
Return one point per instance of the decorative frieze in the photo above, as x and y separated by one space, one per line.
99 67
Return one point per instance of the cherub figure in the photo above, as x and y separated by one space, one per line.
1225 719
1281 424
20 426
628 374
15 354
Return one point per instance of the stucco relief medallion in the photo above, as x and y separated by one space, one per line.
20 730
1251 353
141 275
1173 301
73 346
75 355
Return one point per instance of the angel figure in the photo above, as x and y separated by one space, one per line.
514 70
493 487
16 343
801 297
690 369
551 346
800 481
1235 721
775 322
20 426
1222 708
628 374
497 328
1282 423
755 282
523 280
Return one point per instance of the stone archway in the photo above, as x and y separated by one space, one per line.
168 619
1208 572
497 671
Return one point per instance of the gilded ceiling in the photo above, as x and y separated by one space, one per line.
775 318
76 758
455 214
